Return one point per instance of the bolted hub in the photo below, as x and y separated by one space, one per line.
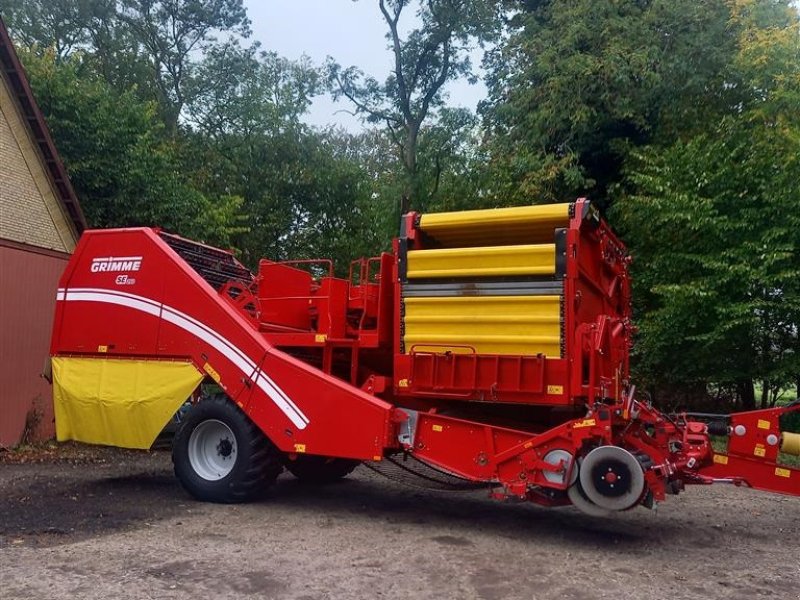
212 450
612 478
225 448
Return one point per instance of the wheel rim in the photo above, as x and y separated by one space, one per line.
212 450
612 478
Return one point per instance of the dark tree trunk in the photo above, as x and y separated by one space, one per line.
410 199
746 393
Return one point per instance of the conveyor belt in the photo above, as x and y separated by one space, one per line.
216 266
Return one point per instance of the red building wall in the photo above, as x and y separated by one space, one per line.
28 283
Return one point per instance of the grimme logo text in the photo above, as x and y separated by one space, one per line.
116 264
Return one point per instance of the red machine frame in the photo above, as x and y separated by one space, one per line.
318 364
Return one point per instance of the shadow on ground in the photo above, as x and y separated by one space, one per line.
52 504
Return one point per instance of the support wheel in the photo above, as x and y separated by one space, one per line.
220 455
320 469
612 478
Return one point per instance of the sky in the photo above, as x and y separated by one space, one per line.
352 33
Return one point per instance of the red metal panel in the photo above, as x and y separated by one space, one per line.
284 295
163 308
28 283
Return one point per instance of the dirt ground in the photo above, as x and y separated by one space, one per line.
113 524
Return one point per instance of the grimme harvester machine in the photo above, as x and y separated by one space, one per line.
491 346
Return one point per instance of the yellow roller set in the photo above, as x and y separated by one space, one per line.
790 443
518 325
496 226
491 261
118 402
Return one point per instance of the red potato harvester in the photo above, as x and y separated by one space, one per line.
491 346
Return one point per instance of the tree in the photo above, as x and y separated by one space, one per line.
575 84
431 54
712 223
58 24
172 33
124 171
248 91
304 194
153 44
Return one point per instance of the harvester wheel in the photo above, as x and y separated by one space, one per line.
579 500
320 469
612 478
220 455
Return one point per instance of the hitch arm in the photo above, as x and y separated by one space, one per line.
754 443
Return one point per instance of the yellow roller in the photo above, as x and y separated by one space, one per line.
496 226
790 443
518 325
534 259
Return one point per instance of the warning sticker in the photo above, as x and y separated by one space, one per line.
212 372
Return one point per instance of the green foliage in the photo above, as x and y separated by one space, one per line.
245 90
153 44
682 115
451 167
425 59
195 135
303 194
171 34
712 223
63 25
123 169
579 82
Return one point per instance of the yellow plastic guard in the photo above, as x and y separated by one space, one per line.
118 402
496 226
539 259
519 325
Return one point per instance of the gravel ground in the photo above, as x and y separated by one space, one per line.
114 524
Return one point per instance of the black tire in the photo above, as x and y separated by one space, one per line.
255 465
320 469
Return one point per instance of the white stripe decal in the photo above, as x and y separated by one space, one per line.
199 330
242 356
140 305
115 293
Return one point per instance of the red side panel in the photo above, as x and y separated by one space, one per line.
284 295
127 293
